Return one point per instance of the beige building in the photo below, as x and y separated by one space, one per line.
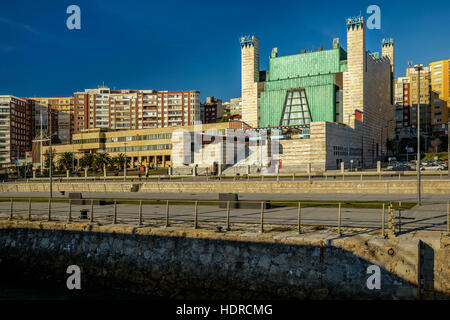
440 100
141 146
424 96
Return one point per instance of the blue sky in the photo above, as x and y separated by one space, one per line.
190 45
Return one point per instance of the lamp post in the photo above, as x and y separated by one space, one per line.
348 139
125 162
418 68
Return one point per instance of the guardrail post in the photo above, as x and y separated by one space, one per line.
115 212
196 215
391 222
92 210
29 209
49 209
382 221
167 213
140 213
69 219
11 209
299 221
339 219
262 217
228 216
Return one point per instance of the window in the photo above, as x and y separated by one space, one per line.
296 109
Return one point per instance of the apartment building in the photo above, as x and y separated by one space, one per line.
212 110
424 96
134 109
16 133
64 108
440 90
402 101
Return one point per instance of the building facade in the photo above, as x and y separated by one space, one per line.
63 107
134 109
16 129
349 86
440 102
212 110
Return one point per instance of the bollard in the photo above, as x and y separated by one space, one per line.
140 213
262 217
115 212
293 177
11 210
29 209
299 211
69 219
399 220
382 221
167 213
196 215
49 209
92 210
228 216
339 219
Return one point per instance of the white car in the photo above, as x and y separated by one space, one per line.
435 167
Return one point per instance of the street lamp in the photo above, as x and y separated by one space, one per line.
418 68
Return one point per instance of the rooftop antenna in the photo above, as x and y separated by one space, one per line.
410 63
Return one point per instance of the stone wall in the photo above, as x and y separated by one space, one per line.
331 185
204 264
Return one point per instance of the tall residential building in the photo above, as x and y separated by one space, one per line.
134 109
16 115
64 108
212 110
425 98
440 88
402 100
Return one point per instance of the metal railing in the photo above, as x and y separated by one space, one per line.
281 215
315 176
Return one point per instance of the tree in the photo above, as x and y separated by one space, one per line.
47 159
119 161
87 160
101 160
66 160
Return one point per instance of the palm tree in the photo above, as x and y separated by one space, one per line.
101 160
66 160
87 160
119 161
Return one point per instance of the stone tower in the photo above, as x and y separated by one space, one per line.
388 50
354 77
249 80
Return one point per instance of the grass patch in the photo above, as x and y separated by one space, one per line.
318 227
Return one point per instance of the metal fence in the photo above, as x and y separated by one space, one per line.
388 217
319 176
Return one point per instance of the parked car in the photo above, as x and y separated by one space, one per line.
402 167
431 167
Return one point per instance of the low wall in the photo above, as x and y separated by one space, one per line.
330 186
203 264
